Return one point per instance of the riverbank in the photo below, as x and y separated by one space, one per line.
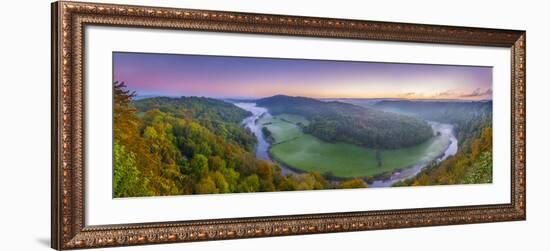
444 130
314 155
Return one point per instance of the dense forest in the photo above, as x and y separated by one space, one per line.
341 122
472 123
197 145
190 145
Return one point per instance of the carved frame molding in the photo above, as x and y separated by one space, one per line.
68 226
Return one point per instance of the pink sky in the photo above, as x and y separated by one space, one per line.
217 76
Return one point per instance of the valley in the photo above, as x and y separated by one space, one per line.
301 152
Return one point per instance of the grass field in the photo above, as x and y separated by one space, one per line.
305 152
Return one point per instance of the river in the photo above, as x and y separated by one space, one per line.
262 148
445 130
250 123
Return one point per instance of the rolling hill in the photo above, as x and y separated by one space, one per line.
341 122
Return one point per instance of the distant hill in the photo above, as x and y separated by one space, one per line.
442 111
342 122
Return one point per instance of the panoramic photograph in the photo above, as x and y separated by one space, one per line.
199 124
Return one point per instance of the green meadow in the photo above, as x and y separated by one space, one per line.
302 151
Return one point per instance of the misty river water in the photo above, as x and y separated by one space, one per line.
262 147
250 123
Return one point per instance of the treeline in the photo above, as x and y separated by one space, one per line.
217 116
168 150
342 122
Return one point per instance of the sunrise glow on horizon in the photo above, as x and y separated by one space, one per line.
247 77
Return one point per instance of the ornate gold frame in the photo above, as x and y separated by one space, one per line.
68 228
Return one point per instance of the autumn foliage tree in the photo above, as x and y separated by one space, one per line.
471 165
191 146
